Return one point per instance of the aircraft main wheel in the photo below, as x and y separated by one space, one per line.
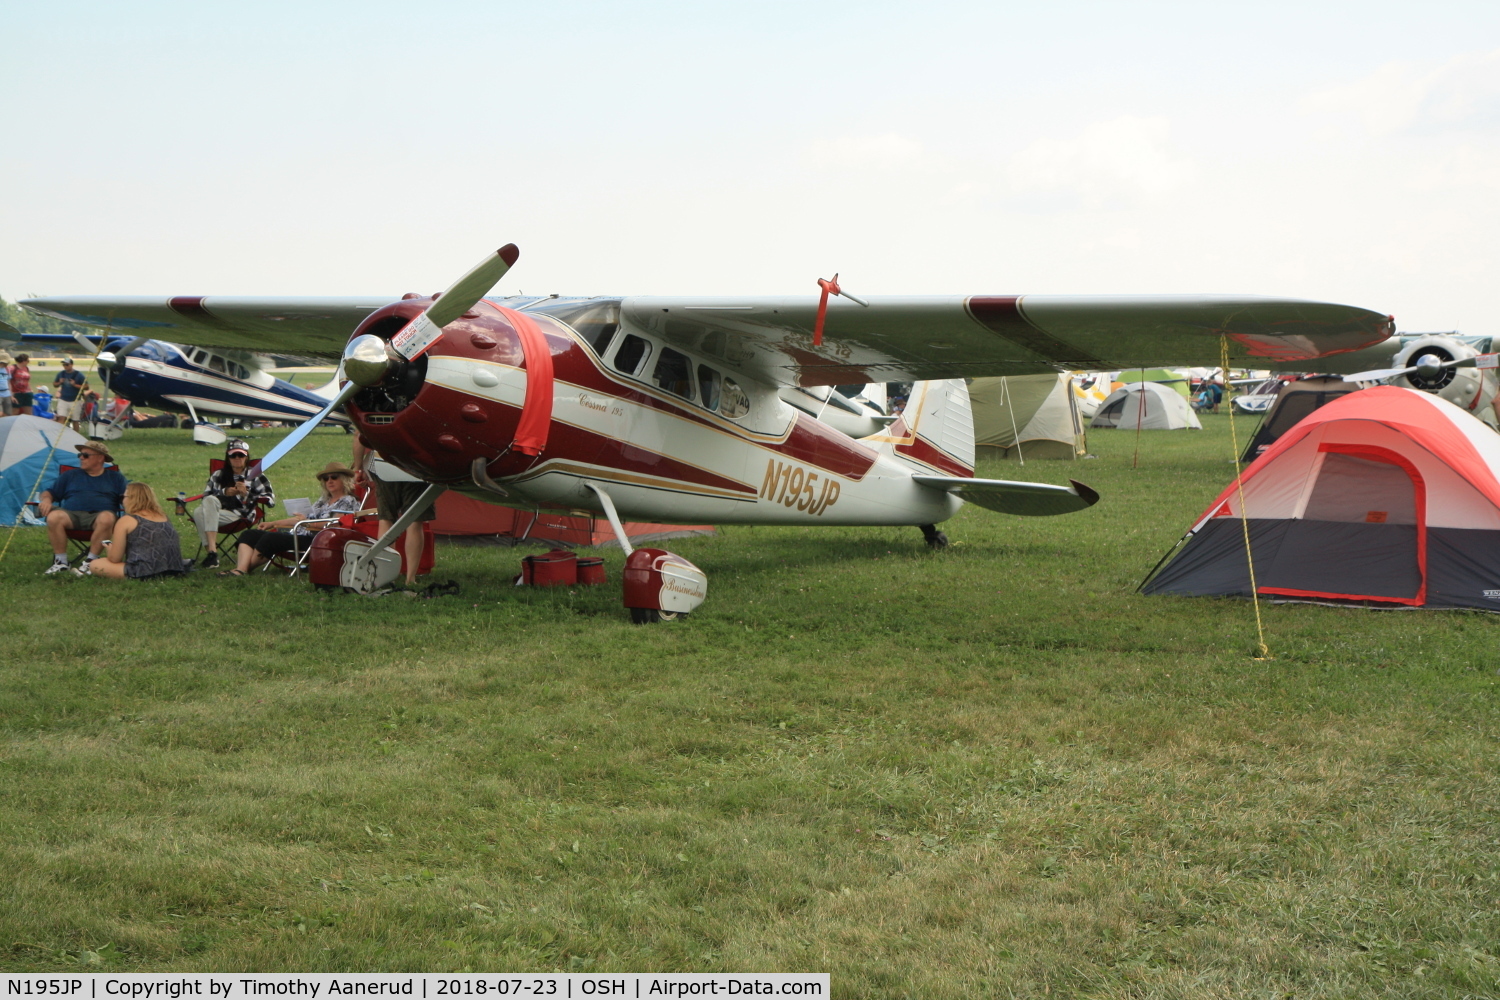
934 538
648 616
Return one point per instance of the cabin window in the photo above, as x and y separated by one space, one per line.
632 354
733 402
197 357
674 373
216 363
708 387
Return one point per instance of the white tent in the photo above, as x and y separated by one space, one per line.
31 449
1155 407
1026 416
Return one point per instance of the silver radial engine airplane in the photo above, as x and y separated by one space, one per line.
670 409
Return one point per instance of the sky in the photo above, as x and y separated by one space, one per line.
1344 152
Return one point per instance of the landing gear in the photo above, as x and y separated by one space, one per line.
934 538
650 616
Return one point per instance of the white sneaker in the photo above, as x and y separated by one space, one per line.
82 570
56 567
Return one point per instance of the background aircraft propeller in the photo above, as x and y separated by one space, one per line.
368 359
110 362
1428 366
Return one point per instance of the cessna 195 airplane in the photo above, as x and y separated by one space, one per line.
670 409
195 380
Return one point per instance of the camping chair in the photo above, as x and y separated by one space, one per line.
78 538
295 561
230 531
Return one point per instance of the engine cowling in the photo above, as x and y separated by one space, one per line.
1471 389
450 406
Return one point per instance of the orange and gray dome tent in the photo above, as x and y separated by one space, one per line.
1386 497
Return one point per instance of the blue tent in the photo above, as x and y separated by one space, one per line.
31 449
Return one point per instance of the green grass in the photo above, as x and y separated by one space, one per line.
990 771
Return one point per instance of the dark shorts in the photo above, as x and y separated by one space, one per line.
271 543
393 499
84 519
23 399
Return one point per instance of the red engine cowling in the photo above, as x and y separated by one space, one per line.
662 586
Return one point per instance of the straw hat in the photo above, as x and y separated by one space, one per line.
98 446
334 469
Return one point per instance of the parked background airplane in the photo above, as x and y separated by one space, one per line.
671 409
233 384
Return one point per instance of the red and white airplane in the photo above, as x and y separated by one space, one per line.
672 409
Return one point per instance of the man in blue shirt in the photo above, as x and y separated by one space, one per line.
67 387
83 498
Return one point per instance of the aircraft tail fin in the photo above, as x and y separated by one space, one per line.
936 429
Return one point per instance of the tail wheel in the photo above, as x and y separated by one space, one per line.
649 616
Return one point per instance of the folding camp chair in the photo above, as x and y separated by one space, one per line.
295 561
230 531
78 538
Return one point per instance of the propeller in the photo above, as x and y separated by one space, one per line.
109 363
368 359
1428 366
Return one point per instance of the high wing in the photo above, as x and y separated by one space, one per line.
301 327
961 336
770 339
1008 497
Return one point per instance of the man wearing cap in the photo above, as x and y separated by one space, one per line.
67 387
83 498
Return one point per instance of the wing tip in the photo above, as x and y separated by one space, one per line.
1087 494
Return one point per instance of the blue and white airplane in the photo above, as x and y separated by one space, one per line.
196 380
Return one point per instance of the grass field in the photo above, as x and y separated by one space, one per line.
988 771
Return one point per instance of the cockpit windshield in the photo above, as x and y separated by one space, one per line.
595 320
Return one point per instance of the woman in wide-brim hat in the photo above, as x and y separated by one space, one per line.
257 545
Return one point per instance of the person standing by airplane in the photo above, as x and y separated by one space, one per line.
391 501
20 384
7 403
67 388
230 494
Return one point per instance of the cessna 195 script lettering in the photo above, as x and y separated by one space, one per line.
675 409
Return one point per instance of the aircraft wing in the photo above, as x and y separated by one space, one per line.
935 337
929 337
1027 499
304 327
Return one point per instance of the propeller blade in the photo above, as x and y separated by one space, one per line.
1381 374
293 439
1378 375
132 346
88 345
420 333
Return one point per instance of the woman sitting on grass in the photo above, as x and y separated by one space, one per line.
144 544
257 545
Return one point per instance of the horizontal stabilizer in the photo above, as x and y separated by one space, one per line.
1007 497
